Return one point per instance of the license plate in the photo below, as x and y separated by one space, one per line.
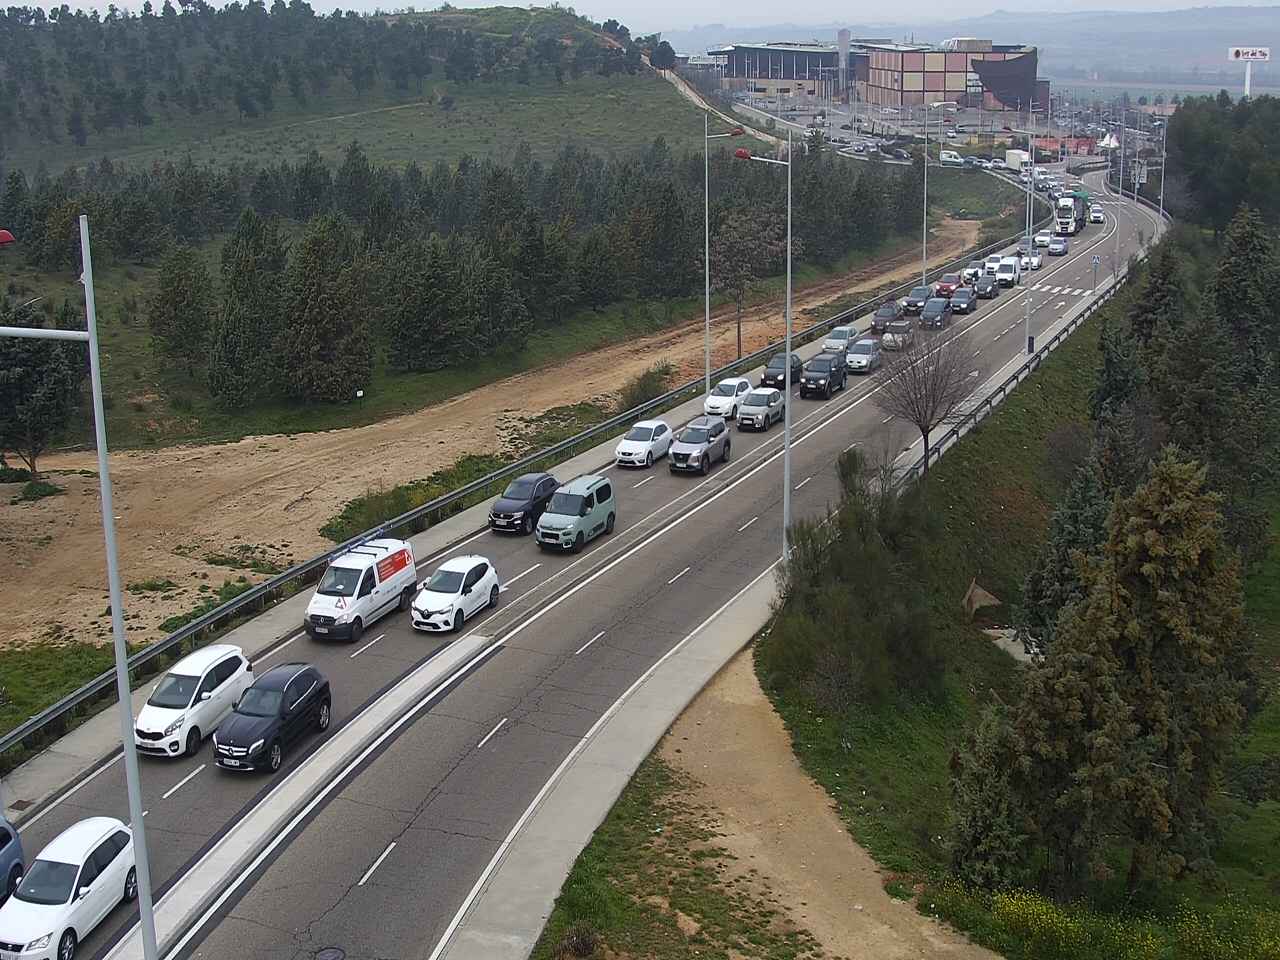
229 763
322 629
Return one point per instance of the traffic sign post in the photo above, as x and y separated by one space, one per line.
1096 260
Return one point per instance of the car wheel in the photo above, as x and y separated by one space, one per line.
275 756
733 413
706 464
131 885
323 717
67 945
406 598
493 596
193 742
578 543
527 526
648 459
608 524
458 620
357 629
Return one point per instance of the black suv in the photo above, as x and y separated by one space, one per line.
885 314
824 375
936 314
273 714
916 299
522 503
776 372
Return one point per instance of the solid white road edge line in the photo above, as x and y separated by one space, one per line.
366 646
568 760
489 735
377 863
588 643
181 783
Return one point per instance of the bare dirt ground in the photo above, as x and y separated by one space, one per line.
266 497
777 822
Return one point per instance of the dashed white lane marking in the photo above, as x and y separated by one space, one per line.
748 523
376 864
642 483
181 783
588 643
488 736
677 576
519 575
803 482
366 646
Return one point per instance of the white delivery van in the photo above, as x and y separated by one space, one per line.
360 586
1009 272
949 158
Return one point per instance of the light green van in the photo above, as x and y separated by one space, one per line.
579 511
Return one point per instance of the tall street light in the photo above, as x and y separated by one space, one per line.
707 137
1164 162
744 154
924 217
132 781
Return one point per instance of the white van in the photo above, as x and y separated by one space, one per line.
360 586
992 264
949 158
191 699
1009 272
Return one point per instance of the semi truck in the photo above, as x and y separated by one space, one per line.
1070 213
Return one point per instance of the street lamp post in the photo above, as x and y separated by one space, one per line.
132 780
707 137
1115 263
924 216
744 154
1164 163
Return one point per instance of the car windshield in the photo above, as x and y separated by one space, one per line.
920 293
756 400
257 702
950 278
339 582
444 581
639 433
519 490
886 310
47 882
777 361
565 504
817 366
863 347
936 306
174 691
838 335
693 435
724 389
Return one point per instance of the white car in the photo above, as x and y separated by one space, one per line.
1043 238
1036 258
68 890
647 441
191 699
1096 215
760 408
991 263
460 588
726 397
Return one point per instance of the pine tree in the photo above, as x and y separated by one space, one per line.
1164 296
595 270
325 352
1245 284
1120 378
990 831
39 389
181 308
419 318
353 183
236 355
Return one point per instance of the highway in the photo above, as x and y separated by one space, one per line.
382 868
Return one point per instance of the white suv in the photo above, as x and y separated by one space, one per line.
69 889
189 701
462 586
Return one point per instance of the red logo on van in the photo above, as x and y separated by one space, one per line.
390 565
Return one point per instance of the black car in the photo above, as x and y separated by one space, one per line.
964 300
885 314
824 375
936 314
987 287
775 373
916 299
281 707
900 154
522 503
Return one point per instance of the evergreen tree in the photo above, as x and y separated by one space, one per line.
353 184
75 123
1120 378
236 356
15 206
248 325
311 187
1244 287
990 832
325 352
181 308
596 270
419 315
1164 296
39 388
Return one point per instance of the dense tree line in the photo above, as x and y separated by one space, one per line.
1120 738
72 75
431 268
1223 154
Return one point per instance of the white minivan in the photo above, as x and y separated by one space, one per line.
949 158
191 699
359 586
1009 273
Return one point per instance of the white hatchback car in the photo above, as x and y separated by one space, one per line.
189 701
69 889
726 397
1042 238
647 441
460 588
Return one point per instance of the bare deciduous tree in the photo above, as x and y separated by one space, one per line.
926 383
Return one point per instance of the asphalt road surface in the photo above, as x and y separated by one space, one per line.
382 868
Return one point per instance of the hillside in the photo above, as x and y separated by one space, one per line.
233 80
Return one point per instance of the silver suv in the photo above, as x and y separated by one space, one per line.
698 445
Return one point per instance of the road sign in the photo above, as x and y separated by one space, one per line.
1096 259
1248 54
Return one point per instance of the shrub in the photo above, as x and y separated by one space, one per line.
34 490
646 386
578 941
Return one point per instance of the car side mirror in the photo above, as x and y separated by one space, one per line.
82 893
465 591
582 511
206 695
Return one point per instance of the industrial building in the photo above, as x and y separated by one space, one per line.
888 73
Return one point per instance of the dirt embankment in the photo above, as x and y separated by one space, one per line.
263 499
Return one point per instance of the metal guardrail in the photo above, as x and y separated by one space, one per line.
54 720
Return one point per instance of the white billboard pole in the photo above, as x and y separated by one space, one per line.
1248 56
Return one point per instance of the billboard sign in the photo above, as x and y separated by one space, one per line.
1248 54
